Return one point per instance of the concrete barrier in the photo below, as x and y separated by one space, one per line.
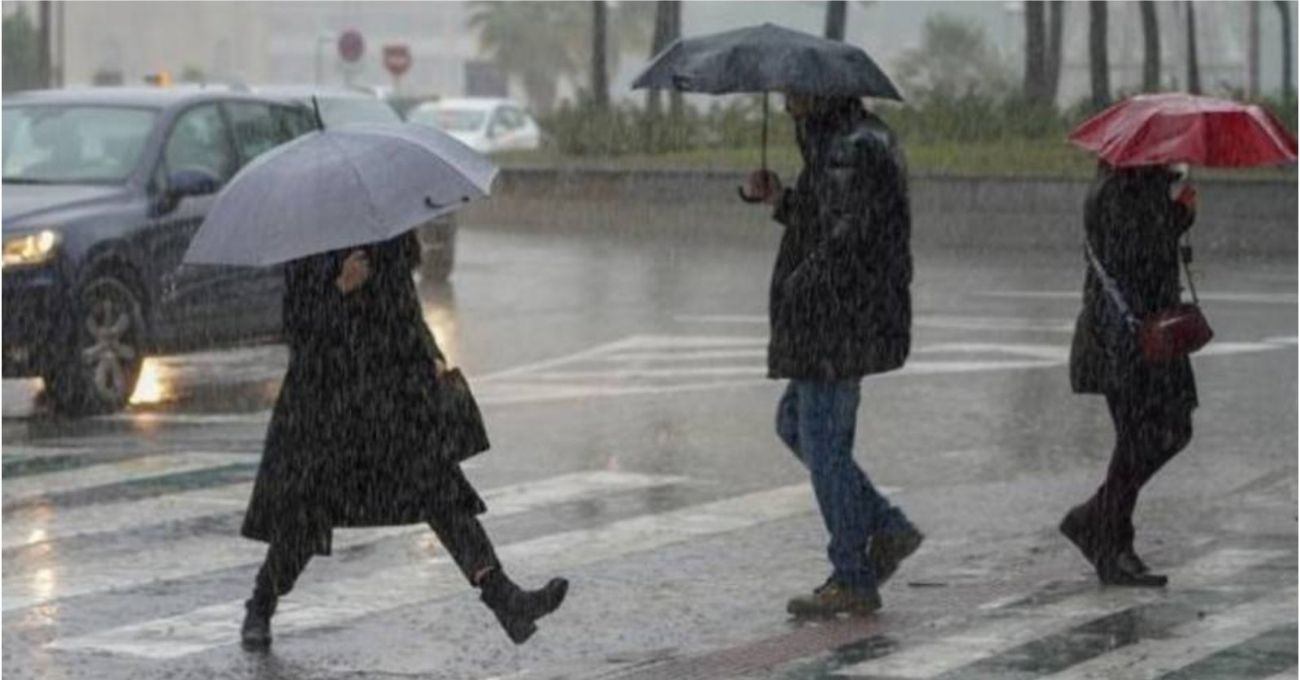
1237 217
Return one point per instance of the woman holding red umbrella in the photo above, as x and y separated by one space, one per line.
1133 336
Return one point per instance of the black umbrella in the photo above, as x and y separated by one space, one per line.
765 58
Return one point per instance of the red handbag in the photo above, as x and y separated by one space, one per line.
1173 332
1168 334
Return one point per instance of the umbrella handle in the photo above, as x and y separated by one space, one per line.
746 197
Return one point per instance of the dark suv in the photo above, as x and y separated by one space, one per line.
103 190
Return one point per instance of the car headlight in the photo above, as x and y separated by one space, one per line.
32 249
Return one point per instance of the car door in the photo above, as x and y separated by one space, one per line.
252 296
199 139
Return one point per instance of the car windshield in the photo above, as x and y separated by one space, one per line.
72 143
341 111
452 120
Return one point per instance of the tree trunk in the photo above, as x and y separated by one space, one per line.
1193 64
1252 50
1055 38
1035 52
46 73
1098 57
837 12
664 35
1288 76
1150 46
599 55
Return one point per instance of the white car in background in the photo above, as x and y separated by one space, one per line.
485 125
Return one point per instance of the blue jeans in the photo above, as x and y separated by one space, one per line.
817 421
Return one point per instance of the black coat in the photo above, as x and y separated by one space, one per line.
1133 227
353 436
840 305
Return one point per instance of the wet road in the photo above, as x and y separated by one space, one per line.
633 451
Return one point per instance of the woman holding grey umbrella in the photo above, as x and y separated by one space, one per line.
359 435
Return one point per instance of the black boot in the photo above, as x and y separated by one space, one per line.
255 634
518 610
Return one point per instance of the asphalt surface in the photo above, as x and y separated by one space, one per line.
633 452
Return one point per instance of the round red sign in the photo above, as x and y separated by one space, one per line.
351 45
397 59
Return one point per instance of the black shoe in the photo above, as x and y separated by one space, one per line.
1077 527
888 550
1132 562
255 634
1119 571
518 610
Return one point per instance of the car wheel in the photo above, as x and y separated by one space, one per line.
100 370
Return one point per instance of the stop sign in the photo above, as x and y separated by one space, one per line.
351 46
397 59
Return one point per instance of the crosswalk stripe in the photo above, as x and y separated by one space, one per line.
993 634
176 559
1188 642
36 525
132 469
332 603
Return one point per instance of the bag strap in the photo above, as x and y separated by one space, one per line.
1111 288
1185 257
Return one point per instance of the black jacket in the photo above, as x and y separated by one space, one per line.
1133 226
840 305
353 436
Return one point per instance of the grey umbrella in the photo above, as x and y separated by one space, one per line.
339 188
765 58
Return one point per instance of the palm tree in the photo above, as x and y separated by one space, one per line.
543 42
1098 57
1193 64
1150 46
525 39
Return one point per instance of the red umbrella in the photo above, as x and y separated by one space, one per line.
1160 129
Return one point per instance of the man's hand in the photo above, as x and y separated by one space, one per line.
354 272
763 186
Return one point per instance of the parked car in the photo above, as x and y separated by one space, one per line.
103 190
485 125
342 106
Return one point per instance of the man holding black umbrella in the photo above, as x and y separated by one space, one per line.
840 306
840 309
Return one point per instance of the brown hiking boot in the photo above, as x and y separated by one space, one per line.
833 599
888 550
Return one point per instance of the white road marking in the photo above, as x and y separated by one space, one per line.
1255 298
44 523
996 633
132 469
201 554
1188 643
329 604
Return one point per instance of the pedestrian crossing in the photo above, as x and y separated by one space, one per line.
1217 605
1010 628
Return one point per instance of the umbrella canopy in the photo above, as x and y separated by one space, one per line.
339 188
1160 129
763 58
